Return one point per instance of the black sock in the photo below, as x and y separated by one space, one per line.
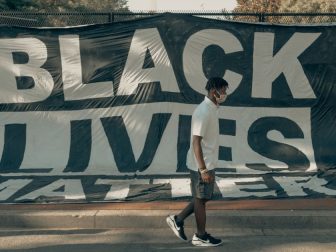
178 222
203 237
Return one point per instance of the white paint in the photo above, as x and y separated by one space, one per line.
11 186
120 188
193 53
73 190
267 66
53 141
74 88
37 56
230 187
180 187
133 73
294 186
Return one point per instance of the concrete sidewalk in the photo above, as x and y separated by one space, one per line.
257 215
146 240
109 219
251 226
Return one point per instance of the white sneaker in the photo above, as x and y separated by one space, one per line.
208 241
178 230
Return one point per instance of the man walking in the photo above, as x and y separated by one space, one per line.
201 161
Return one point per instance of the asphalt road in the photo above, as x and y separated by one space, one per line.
162 239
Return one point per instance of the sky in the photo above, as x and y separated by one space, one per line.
181 5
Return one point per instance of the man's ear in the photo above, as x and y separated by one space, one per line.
214 93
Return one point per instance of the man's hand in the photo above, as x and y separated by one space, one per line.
207 178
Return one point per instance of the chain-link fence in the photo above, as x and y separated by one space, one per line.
52 19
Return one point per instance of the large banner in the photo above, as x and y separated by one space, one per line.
103 112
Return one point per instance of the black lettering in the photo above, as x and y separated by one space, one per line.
121 146
183 142
14 147
226 127
14 150
80 146
258 141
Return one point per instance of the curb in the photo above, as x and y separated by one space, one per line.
110 219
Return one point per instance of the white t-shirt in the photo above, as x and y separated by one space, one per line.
204 123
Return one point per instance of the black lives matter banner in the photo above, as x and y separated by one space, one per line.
103 112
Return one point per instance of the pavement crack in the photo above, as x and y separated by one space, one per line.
94 219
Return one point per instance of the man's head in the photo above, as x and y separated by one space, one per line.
216 88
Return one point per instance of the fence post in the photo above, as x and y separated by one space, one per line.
261 17
111 17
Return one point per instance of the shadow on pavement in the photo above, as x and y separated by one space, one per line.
246 244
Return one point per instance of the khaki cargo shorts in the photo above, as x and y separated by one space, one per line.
200 189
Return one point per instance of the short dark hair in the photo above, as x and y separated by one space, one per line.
216 83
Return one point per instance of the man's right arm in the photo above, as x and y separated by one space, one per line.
197 148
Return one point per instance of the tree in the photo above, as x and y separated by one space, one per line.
104 5
7 5
64 5
76 6
312 6
279 6
256 6
308 6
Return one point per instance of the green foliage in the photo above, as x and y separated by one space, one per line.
293 6
7 5
308 6
60 6
312 6
257 5
64 5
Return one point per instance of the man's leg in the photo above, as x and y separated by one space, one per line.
200 215
176 222
202 238
186 212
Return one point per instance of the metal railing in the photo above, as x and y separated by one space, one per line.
56 19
